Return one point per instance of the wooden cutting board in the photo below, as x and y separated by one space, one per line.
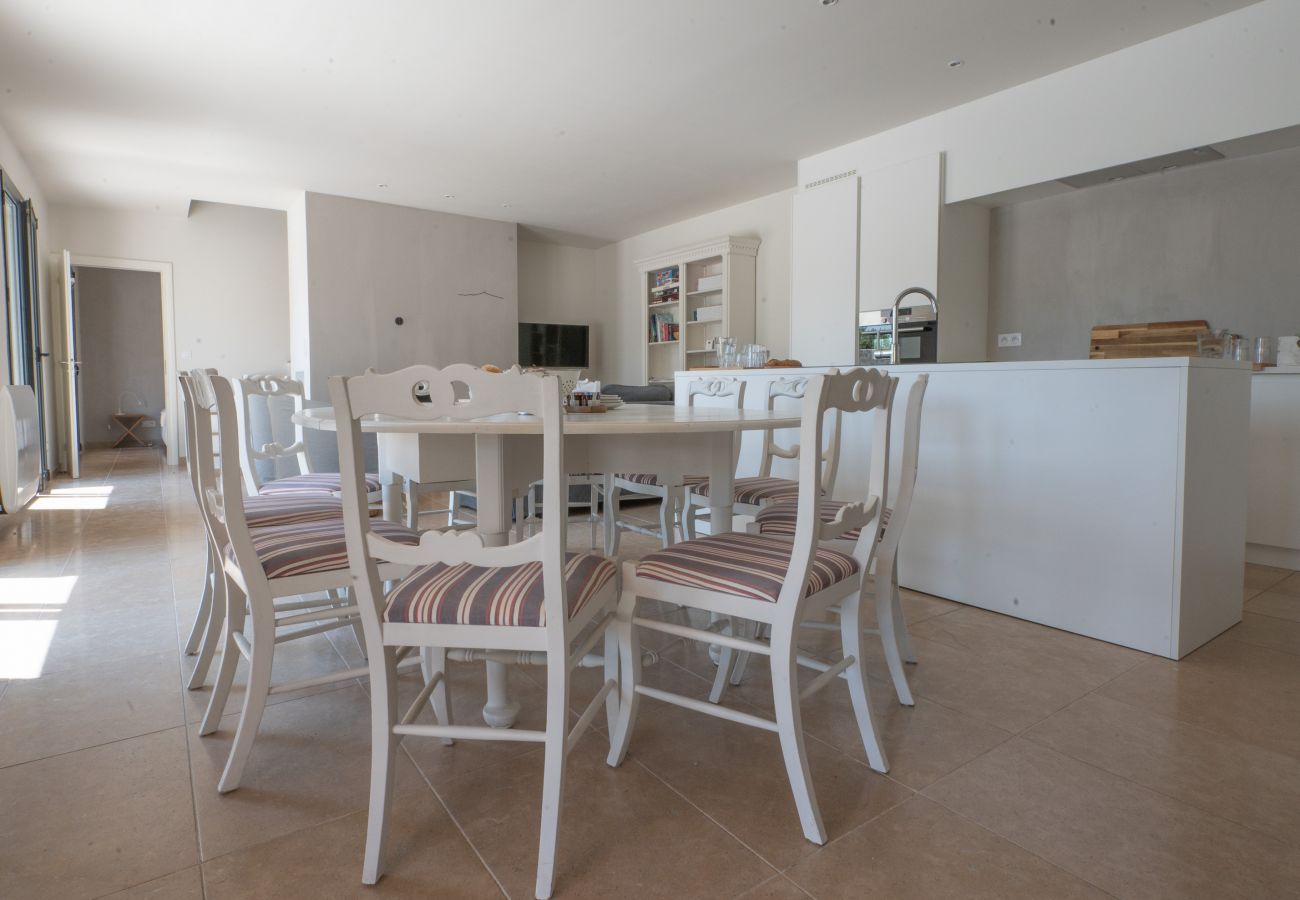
1146 339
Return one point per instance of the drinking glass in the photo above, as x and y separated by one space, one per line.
1265 351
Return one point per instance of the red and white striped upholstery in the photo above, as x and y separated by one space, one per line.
756 491
480 595
271 510
653 480
313 482
744 565
780 518
314 546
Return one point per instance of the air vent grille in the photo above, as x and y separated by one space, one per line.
829 178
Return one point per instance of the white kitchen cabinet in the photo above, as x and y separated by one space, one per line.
862 238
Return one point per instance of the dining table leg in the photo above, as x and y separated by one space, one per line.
390 495
722 464
495 508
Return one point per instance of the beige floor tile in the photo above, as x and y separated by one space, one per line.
1267 631
776 888
1008 692
1239 781
426 857
187 884
737 776
307 657
923 742
1236 689
88 823
921 851
1002 638
1271 603
1264 577
621 831
93 705
89 635
1288 585
1124 838
308 766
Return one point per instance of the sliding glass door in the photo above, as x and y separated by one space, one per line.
22 321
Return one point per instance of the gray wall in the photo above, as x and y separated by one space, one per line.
369 263
121 349
1219 241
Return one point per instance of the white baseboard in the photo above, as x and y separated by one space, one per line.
1264 555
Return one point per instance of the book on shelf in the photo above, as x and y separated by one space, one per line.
663 327
665 276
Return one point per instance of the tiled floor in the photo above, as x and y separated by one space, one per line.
1035 763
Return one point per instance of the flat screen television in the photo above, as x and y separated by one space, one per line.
553 346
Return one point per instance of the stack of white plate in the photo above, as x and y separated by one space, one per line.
611 401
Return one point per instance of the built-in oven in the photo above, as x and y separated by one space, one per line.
918 336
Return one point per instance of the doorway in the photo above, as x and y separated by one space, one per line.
119 373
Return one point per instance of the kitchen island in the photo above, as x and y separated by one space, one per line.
1101 497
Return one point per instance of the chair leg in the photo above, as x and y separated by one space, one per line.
888 628
900 623
612 495
629 662
726 663
441 699
212 631
689 517
412 504
204 612
557 733
856 675
785 697
611 674
358 633
383 759
256 690
667 507
236 607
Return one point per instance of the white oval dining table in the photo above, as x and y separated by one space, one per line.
504 453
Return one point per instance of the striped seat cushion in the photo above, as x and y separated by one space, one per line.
479 595
313 482
314 546
757 491
270 510
780 518
653 480
743 565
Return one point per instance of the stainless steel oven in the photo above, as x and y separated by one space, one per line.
918 337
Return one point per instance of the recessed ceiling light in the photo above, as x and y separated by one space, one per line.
956 63
1169 168
381 185
1115 178
829 2
449 196
505 205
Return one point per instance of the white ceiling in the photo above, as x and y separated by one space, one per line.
595 119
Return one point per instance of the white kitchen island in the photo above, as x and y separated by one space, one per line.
1102 497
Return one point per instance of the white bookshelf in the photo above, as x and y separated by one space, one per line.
717 276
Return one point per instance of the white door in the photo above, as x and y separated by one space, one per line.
72 365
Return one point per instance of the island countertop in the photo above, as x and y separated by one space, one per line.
1102 497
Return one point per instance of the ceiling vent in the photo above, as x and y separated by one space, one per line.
1180 160
829 178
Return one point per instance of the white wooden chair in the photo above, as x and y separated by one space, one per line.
205 633
523 598
262 511
282 562
270 387
781 519
752 493
777 583
651 484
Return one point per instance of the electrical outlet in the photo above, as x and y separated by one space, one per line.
1009 340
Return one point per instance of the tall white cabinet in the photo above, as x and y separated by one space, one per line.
691 295
862 237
